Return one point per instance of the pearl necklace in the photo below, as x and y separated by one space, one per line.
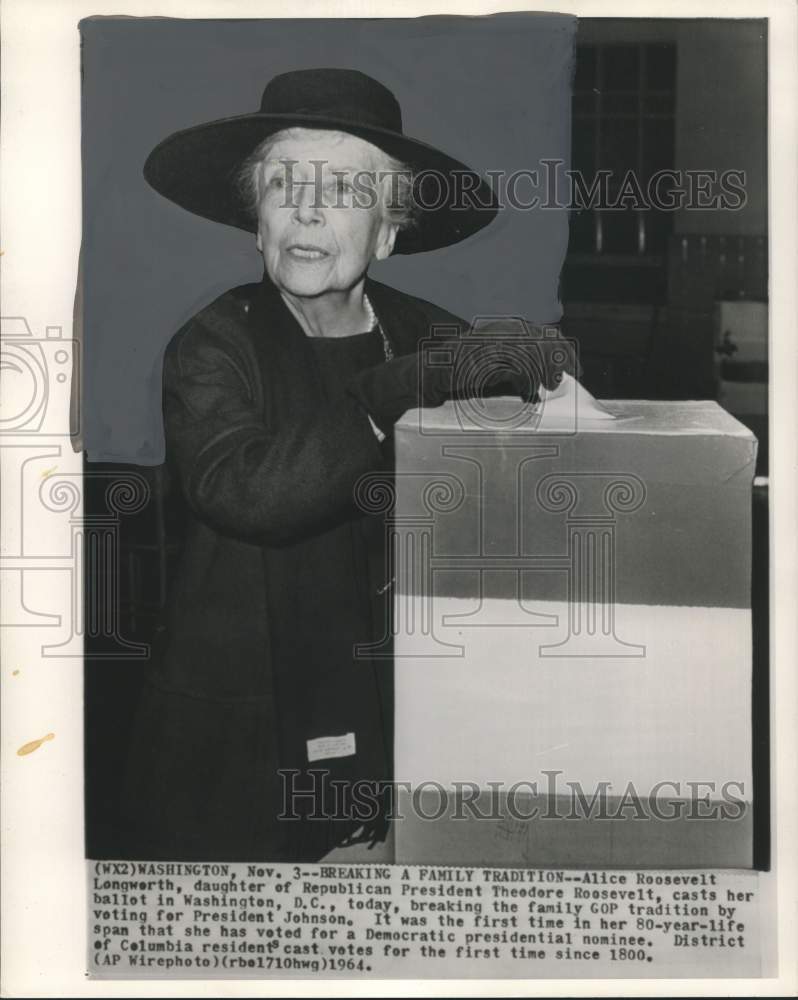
373 321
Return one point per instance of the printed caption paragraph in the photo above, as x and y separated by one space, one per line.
234 921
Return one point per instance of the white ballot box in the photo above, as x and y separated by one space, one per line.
572 634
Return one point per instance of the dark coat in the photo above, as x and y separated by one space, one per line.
267 462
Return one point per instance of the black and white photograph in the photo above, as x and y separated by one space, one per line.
394 560
398 497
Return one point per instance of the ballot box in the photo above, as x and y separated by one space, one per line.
572 634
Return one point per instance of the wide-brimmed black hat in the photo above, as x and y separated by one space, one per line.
198 167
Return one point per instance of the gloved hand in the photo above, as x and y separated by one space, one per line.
499 358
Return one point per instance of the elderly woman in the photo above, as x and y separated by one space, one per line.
260 727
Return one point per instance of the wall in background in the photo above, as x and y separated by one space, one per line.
721 105
646 323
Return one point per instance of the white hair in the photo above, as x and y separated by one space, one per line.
393 178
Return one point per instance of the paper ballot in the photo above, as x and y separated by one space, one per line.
570 397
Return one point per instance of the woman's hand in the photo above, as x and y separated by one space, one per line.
498 359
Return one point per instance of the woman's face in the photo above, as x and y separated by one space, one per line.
317 237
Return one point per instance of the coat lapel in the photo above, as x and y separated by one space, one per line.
289 371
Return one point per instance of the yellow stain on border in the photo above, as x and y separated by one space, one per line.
27 748
49 472
14 673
